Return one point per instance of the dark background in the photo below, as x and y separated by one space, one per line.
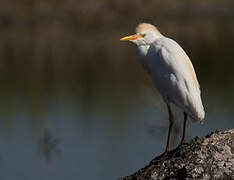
76 103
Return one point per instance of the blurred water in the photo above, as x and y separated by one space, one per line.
99 144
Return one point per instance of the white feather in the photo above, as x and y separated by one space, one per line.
172 72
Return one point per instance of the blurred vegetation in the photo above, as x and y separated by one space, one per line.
71 48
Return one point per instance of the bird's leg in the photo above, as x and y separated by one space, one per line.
170 128
184 128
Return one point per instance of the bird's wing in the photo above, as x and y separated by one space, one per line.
178 62
175 77
182 56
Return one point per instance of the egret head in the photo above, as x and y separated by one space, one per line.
146 34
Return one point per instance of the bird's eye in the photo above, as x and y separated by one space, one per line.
143 35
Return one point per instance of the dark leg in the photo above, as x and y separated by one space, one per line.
184 128
170 128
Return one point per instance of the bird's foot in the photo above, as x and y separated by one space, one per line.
163 155
182 143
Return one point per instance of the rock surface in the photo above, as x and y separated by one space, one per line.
210 157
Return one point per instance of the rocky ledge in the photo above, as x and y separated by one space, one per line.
210 157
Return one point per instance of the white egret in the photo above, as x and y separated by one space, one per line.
172 72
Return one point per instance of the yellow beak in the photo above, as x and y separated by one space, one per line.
131 37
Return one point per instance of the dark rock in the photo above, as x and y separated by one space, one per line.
210 157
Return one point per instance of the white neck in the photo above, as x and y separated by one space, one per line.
142 50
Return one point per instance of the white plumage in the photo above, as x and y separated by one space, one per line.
171 71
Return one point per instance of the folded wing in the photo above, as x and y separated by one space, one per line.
175 77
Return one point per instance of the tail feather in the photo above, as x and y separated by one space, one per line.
196 110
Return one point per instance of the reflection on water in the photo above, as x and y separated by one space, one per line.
76 104
110 143
48 145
